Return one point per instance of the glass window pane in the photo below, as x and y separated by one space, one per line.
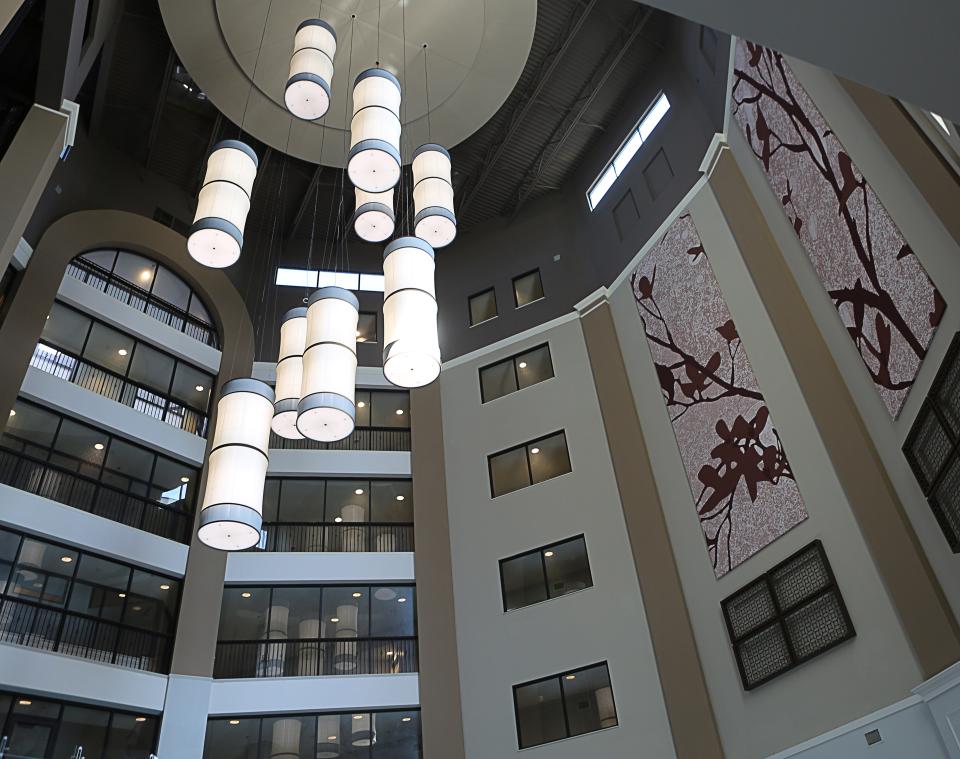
243 613
9 543
527 289
42 573
65 328
30 426
151 368
295 613
398 735
80 726
540 713
497 380
103 572
108 348
629 149
173 483
199 311
136 269
225 740
271 501
152 602
549 458
657 112
568 569
102 258
170 288
80 448
297 277
363 408
367 328
392 611
523 582
589 700
600 188
345 615
391 501
371 282
131 736
483 306
284 737
128 464
508 471
344 503
191 387
301 500
389 409
534 366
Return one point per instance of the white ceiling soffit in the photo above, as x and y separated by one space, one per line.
476 52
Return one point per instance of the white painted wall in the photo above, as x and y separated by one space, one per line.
45 518
111 416
284 463
308 568
606 622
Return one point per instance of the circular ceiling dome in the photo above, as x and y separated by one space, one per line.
475 51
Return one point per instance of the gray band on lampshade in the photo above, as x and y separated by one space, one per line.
327 400
431 147
221 225
284 405
237 145
338 293
435 211
370 207
409 242
300 312
306 76
248 385
231 512
388 349
318 22
381 145
376 72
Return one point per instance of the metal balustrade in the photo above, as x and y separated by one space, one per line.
116 387
305 657
374 537
63 486
142 300
26 623
362 439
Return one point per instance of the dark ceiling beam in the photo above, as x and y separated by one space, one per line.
161 102
551 149
523 108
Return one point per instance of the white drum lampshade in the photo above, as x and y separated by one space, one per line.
307 94
328 736
231 512
411 353
374 160
216 237
374 220
326 411
293 342
435 221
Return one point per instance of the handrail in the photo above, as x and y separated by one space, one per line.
362 439
85 493
326 537
116 387
192 326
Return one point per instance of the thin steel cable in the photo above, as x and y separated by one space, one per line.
256 64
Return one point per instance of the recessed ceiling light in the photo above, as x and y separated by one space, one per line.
137 608
400 497
234 722
406 719
199 388
122 351
358 491
358 595
331 737
358 716
66 559
334 619
399 412
121 595
360 404
98 446
13 412
548 554
184 479
401 600
164 587
522 364
534 450
389 653
24 702
246 594
338 519
570 677
140 719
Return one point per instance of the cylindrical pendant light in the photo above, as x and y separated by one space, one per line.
328 736
374 220
286 739
307 94
216 236
231 512
435 221
363 732
411 352
293 342
374 160
326 411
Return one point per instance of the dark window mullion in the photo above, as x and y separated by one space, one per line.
563 702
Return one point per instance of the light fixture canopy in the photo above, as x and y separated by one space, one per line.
435 220
293 342
374 219
216 237
326 411
411 353
373 163
231 512
307 93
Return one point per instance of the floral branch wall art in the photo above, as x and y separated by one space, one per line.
885 299
741 481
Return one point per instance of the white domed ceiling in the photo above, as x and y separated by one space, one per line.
476 50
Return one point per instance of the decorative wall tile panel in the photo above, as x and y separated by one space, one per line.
739 475
880 289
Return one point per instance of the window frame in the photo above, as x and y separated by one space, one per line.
543 566
496 307
513 286
526 445
616 153
560 677
516 375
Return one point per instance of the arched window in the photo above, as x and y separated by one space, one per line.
149 287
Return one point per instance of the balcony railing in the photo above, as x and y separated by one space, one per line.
68 366
306 657
61 485
34 625
375 537
140 299
362 439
